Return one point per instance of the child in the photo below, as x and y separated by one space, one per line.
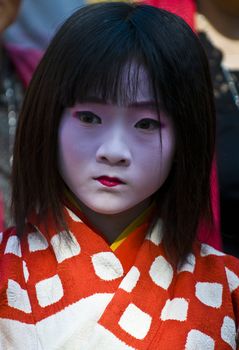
110 179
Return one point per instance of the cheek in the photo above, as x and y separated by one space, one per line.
160 155
74 145
68 148
158 161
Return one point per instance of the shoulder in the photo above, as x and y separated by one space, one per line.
214 289
216 260
16 259
9 243
218 273
218 265
209 264
13 273
19 255
16 314
14 248
10 255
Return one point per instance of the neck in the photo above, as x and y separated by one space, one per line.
112 225
223 22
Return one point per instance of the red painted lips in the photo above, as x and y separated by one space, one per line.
109 181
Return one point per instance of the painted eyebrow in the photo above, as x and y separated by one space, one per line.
140 104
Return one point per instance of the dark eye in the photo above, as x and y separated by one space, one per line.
148 124
87 117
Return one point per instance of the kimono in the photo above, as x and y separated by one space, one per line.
82 293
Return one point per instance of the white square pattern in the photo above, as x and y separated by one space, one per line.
135 322
49 291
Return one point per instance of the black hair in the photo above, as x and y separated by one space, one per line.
88 55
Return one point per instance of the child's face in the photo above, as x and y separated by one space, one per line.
111 156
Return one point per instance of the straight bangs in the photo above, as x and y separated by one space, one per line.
110 81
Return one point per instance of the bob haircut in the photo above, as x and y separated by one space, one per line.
89 55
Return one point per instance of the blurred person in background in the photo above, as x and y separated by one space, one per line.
8 12
28 37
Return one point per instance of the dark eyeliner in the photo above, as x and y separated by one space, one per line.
93 118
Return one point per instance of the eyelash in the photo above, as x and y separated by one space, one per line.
87 117
151 124
90 118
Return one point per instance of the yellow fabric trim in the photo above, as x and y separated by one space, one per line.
136 223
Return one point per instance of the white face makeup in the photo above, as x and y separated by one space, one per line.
111 156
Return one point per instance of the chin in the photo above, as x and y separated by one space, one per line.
112 209
107 211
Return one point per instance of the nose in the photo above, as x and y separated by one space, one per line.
114 151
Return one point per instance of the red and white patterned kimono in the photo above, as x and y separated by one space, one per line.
86 295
